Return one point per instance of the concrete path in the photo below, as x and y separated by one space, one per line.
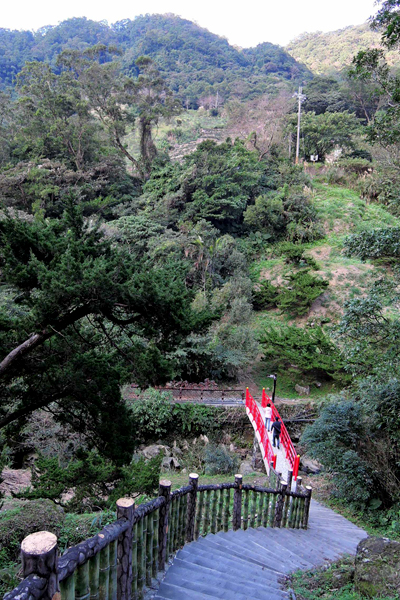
249 565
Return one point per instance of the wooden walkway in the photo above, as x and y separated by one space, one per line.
249 565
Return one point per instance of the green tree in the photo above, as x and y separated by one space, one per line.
83 319
153 100
324 132
323 94
119 101
310 350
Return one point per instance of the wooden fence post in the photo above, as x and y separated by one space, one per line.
125 509
191 507
279 504
237 503
39 553
163 490
289 480
307 506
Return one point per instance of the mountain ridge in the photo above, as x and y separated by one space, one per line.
194 61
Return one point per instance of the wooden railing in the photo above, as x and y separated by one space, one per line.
118 562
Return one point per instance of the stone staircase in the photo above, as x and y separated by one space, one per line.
247 565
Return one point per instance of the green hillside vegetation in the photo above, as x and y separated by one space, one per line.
144 240
329 53
195 63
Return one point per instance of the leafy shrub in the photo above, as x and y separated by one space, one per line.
265 296
294 253
378 243
285 213
95 481
152 414
309 350
355 165
301 291
17 523
336 439
218 461
383 186
303 288
76 528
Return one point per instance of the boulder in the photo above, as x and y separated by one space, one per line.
308 465
170 462
175 463
304 391
154 450
15 480
377 567
246 468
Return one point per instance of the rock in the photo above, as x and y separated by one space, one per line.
308 465
15 480
175 463
246 468
184 470
29 460
154 450
177 451
305 391
317 384
166 462
232 448
170 462
204 439
377 567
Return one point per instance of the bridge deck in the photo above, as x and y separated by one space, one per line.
282 464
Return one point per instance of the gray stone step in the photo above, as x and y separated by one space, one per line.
220 588
210 558
245 552
309 545
248 565
264 545
214 563
260 584
174 592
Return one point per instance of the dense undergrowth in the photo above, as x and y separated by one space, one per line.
334 582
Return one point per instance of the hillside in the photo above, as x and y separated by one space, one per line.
195 62
342 212
328 53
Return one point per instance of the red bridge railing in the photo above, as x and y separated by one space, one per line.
285 441
291 455
259 422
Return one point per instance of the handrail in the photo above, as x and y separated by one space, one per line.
291 454
122 559
254 411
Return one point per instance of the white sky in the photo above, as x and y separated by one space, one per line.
245 23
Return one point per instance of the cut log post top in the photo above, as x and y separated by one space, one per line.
38 543
124 507
39 553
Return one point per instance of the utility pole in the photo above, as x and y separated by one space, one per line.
300 97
